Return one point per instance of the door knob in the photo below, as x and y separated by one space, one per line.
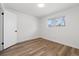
15 30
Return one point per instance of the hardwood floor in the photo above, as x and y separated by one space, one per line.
40 47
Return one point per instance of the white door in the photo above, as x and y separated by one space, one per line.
10 34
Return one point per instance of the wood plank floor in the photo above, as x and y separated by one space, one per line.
40 47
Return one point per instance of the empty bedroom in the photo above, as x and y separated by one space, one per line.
39 29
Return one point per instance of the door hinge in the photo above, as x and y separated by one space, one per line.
2 13
2 43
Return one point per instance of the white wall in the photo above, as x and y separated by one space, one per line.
69 34
27 27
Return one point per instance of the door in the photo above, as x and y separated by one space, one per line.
10 34
1 30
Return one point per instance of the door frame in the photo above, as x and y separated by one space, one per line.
2 29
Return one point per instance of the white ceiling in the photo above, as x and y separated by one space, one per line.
34 10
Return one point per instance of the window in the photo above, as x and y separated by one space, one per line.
56 22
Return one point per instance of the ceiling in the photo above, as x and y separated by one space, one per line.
34 10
